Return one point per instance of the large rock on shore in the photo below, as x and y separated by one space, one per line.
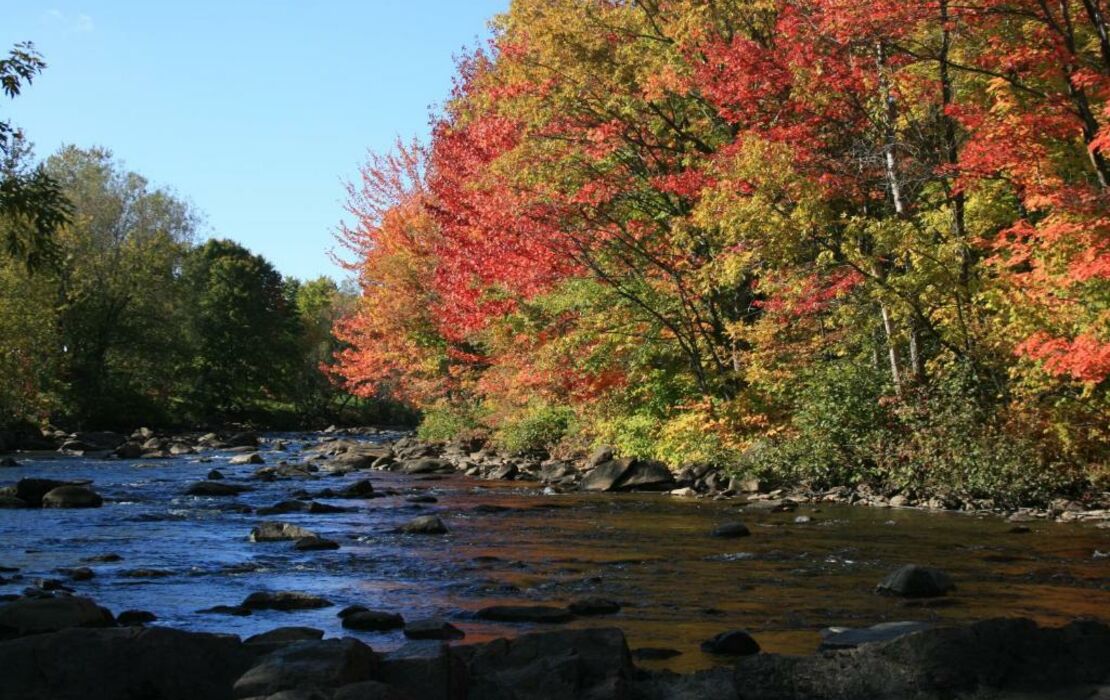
1004 658
37 615
628 474
327 663
131 662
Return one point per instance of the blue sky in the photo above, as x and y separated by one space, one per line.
254 111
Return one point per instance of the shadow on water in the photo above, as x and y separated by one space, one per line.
510 544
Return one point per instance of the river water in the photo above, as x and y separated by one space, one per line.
651 552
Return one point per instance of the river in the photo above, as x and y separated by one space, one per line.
651 552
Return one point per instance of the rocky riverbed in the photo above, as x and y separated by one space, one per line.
391 542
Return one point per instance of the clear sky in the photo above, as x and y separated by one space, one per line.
255 111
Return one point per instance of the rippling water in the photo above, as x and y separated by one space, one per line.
650 552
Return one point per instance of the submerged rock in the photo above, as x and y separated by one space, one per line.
215 488
314 543
544 614
594 606
284 600
912 581
848 638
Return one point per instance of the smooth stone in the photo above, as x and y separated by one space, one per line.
313 544
848 638
327 663
37 615
912 581
272 531
72 497
432 628
373 620
594 606
285 635
129 618
215 488
284 600
525 613
424 525
235 610
731 643
731 531
251 458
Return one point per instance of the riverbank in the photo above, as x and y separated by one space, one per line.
70 648
602 470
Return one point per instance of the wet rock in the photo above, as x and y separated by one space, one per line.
215 488
803 520
32 490
79 573
731 531
103 558
284 600
360 489
215 475
131 662
426 669
646 475
731 643
129 618
314 544
373 620
600 456
234 610
563 665
422 498
912 581
848 638
72 497
505 471
145 573
272 531
543 614
432 628
594 606
8 462
250 458
426 465
684 492
7 501
1012 658
655 653
243 439
327 663
37 615
606 475
424 525
282 636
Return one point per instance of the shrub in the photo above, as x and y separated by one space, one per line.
536 429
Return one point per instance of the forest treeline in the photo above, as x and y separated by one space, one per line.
820 241
114 315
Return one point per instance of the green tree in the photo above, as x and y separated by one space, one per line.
240 328
32 205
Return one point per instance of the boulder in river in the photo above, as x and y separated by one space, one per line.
72 497
249 458
424 525
215 475
731 530
215 488
913 581
731 643
314 544
359 489
284 600
272 531
594 606
546 614
37 615
8 462
31 490
129 618
425 465
628 474
325 663
373 620
282 636
432 628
